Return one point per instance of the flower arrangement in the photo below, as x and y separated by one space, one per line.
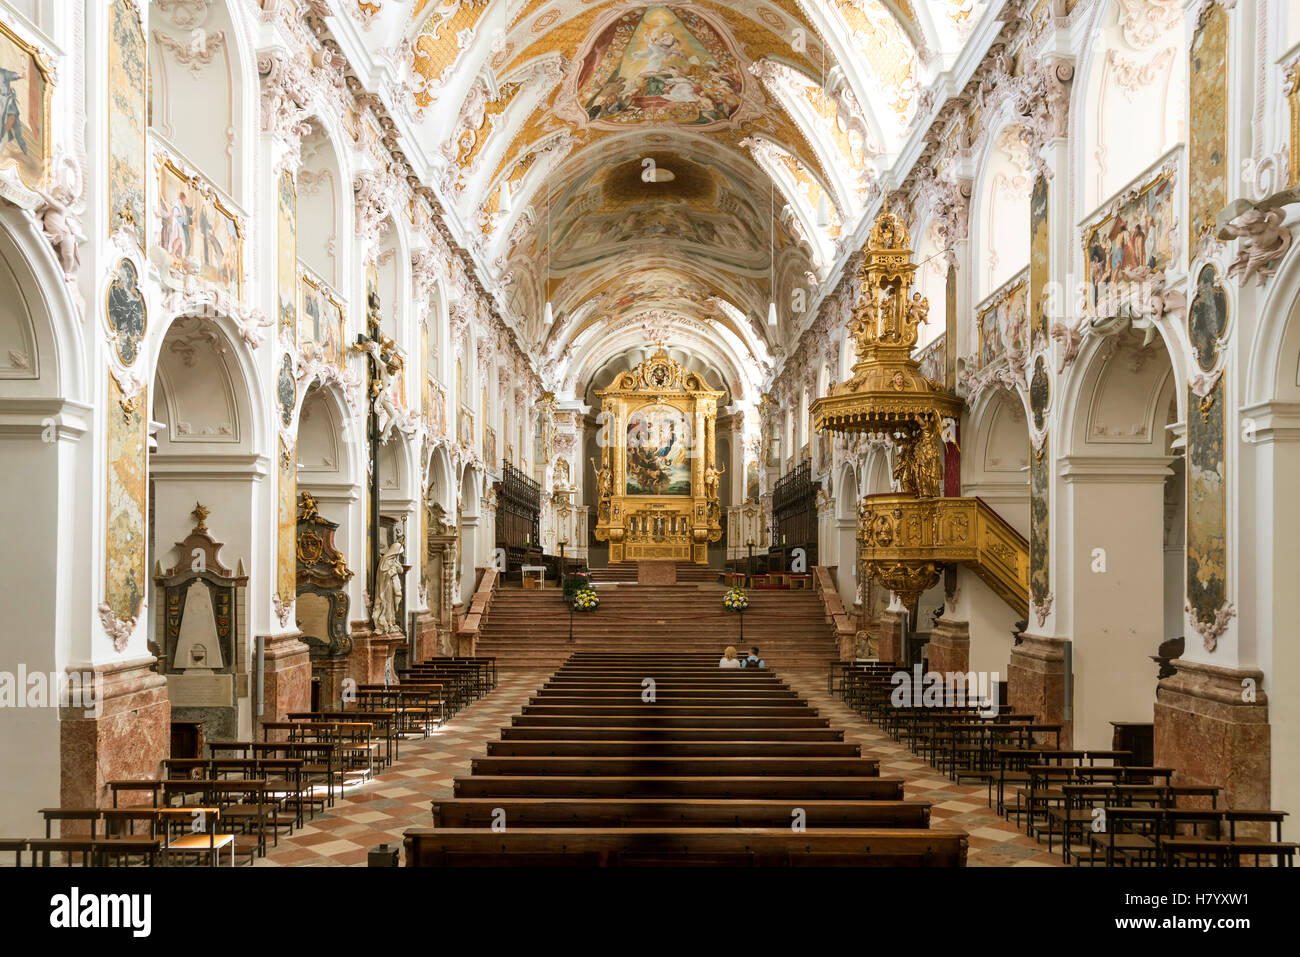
735 600
586 599
574 583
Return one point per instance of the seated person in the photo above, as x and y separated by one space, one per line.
753 661
729 659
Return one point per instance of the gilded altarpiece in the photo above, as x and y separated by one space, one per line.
1207 139
657 481
322 597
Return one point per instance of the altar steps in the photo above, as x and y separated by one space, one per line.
687 572
531 628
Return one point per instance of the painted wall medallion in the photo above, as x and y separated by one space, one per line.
286 390
125 307
1207 319
1039 392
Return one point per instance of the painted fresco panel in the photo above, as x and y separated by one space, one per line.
286 578
1003 323
124 547
1139 236
287 253
1207 551
1207 139
659 65
127 79
198 231
320 323
25 142
1039 556
1040 256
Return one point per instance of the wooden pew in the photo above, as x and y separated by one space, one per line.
676 767
767 786
676 812
675 748
630 847
626 733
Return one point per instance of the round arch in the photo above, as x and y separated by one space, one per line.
46 399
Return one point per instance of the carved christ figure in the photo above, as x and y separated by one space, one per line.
387 364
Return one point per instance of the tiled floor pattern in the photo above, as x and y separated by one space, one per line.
994 842
380 811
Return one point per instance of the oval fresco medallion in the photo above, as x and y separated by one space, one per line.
1039 392
286 390
125 307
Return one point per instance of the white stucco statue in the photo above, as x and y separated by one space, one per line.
388 589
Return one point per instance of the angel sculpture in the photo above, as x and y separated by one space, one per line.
58 218
1263 239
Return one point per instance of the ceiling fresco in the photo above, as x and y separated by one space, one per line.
693 158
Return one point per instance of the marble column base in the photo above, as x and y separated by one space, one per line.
333 673
1210 735
890 643
426 636
950 646
1036 682
286 677
127 735
366 661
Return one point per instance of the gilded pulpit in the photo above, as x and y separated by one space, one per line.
657 479
906 538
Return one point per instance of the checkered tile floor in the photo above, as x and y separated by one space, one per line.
379 811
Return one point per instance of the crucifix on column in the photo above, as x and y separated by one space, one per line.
383 568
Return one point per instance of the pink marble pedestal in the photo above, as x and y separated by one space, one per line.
1036 680
1208 729
125 737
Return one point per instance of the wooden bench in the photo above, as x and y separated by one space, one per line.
633 733
676 812
675 748
676 767
766 786
628 847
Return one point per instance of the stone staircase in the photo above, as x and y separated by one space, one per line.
625 572
531 628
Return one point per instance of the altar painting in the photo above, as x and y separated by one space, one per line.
658 452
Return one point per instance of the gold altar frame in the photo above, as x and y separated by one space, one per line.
639 526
